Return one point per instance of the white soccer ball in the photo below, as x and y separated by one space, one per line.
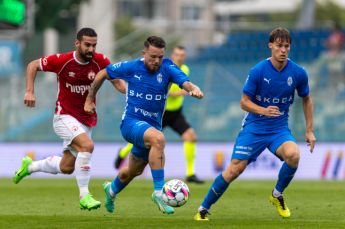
175 193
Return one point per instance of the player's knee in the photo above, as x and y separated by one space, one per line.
189 135
87 146
66 169
158 141
292 158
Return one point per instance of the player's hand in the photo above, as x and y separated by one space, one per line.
89 107
29 99
196 92
311 140
272 111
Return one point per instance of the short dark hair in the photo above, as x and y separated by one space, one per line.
155 41
181 47
86 32
281 34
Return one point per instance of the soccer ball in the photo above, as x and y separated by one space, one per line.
175 193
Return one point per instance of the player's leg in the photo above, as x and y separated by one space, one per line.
77 139
219 186
189 144
247 148
122 154
135 167
285 148
82 146
155 140
28 166
179 124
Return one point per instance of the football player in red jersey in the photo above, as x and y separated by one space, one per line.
75 72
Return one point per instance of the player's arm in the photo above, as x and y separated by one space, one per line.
175 93
31 71
248 105
308 115
90 106
120 85
193 90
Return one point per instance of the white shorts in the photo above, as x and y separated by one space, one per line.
67 128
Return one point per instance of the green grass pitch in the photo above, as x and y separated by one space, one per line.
53 203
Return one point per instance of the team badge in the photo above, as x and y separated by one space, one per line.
289 80
91 75
159 78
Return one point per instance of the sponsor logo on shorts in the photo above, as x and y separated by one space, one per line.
242 152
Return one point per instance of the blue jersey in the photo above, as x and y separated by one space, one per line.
146 91
266 86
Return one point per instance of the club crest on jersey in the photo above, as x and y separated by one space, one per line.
159 78
91 75
289 81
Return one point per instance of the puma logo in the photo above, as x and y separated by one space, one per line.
267 80
138 77
214 191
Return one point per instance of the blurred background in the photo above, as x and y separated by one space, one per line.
224 38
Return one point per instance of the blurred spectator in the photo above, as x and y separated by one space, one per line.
331 64
336 39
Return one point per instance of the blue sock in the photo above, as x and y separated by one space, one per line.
117 185
215 192
286 174
158 179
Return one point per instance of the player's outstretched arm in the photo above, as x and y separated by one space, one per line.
120 85
31 71
249 106
308 115
90 106
193 90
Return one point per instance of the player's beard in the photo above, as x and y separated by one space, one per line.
86 56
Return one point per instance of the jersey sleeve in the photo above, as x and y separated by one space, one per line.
251 84
120 70
103 61
303 86
177 75
52 63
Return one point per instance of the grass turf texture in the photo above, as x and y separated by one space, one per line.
53 203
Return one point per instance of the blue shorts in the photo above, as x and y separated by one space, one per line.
133 131
249 146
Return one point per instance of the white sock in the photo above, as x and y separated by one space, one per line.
276 193
49 165
111 192
158 192
82 171
202 208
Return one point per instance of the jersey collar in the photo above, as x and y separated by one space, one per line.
76 59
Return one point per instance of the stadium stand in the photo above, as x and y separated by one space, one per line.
220 71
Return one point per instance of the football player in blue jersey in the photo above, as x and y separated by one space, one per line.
267 95
148 80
